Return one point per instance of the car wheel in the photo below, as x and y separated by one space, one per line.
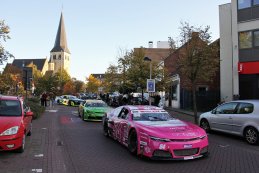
105 129
133 142
72 103
79 113
21 149
205 125
251 135
83 116
30 131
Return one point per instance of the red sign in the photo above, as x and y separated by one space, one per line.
248 67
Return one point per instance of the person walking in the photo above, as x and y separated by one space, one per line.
44 99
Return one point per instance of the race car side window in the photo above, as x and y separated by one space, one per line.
124 113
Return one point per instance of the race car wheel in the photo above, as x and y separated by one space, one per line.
205 125
83 116
72 103
105 129
133 142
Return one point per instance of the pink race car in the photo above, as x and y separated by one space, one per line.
150 131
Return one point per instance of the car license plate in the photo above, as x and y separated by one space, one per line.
187 146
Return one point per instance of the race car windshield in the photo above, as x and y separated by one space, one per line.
96 105
151 116
10 108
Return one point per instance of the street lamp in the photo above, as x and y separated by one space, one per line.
150 75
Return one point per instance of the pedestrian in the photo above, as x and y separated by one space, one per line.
44 99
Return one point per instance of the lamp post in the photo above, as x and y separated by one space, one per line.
150 75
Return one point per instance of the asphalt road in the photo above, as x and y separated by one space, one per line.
62 143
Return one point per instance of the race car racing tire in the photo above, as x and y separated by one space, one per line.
133 142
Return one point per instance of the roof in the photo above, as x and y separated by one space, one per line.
20 63
5 97
155 54
98 76
61 40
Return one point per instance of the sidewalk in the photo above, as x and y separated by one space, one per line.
190 113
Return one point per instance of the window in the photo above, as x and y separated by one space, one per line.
256 2
244 4
59 57
245 40
245 108
256 38
54 56
228 108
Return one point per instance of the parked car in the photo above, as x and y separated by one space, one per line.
15 123
150 131
239 117
93 110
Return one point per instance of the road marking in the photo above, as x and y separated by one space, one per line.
74 112
36 170
51 110
38 155
224 146
44 128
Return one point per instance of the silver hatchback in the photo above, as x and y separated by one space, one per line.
239 117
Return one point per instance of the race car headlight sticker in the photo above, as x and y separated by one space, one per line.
160 139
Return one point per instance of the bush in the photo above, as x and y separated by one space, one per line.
36 108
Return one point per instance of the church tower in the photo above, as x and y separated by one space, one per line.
60 54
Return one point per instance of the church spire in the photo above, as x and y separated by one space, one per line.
61 40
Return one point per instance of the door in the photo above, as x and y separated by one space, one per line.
121 126
222 117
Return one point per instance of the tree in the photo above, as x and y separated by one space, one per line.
92 84
111 79
198 59
69 88
79 86
4 31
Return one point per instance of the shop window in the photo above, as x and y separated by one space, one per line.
245 40
244 4
256 38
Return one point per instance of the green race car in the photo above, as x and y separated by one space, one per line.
92 110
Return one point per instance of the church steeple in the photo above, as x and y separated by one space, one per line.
60 54
61 40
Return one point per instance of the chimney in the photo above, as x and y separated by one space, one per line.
150 44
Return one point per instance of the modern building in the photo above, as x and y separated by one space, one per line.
239 50
59 55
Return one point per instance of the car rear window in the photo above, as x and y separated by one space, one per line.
10 108
245 108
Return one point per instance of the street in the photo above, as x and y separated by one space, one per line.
62 143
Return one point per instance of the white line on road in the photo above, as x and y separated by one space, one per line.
38 155
44 128
51 110
36 170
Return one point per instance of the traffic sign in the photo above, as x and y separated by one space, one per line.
151 86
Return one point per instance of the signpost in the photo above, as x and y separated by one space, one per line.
151 86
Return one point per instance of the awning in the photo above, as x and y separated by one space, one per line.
248 67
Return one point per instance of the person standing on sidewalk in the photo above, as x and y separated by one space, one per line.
44 99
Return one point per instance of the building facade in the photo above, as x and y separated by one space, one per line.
239 50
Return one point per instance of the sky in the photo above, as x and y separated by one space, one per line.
99 30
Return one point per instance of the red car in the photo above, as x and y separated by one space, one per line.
15 123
